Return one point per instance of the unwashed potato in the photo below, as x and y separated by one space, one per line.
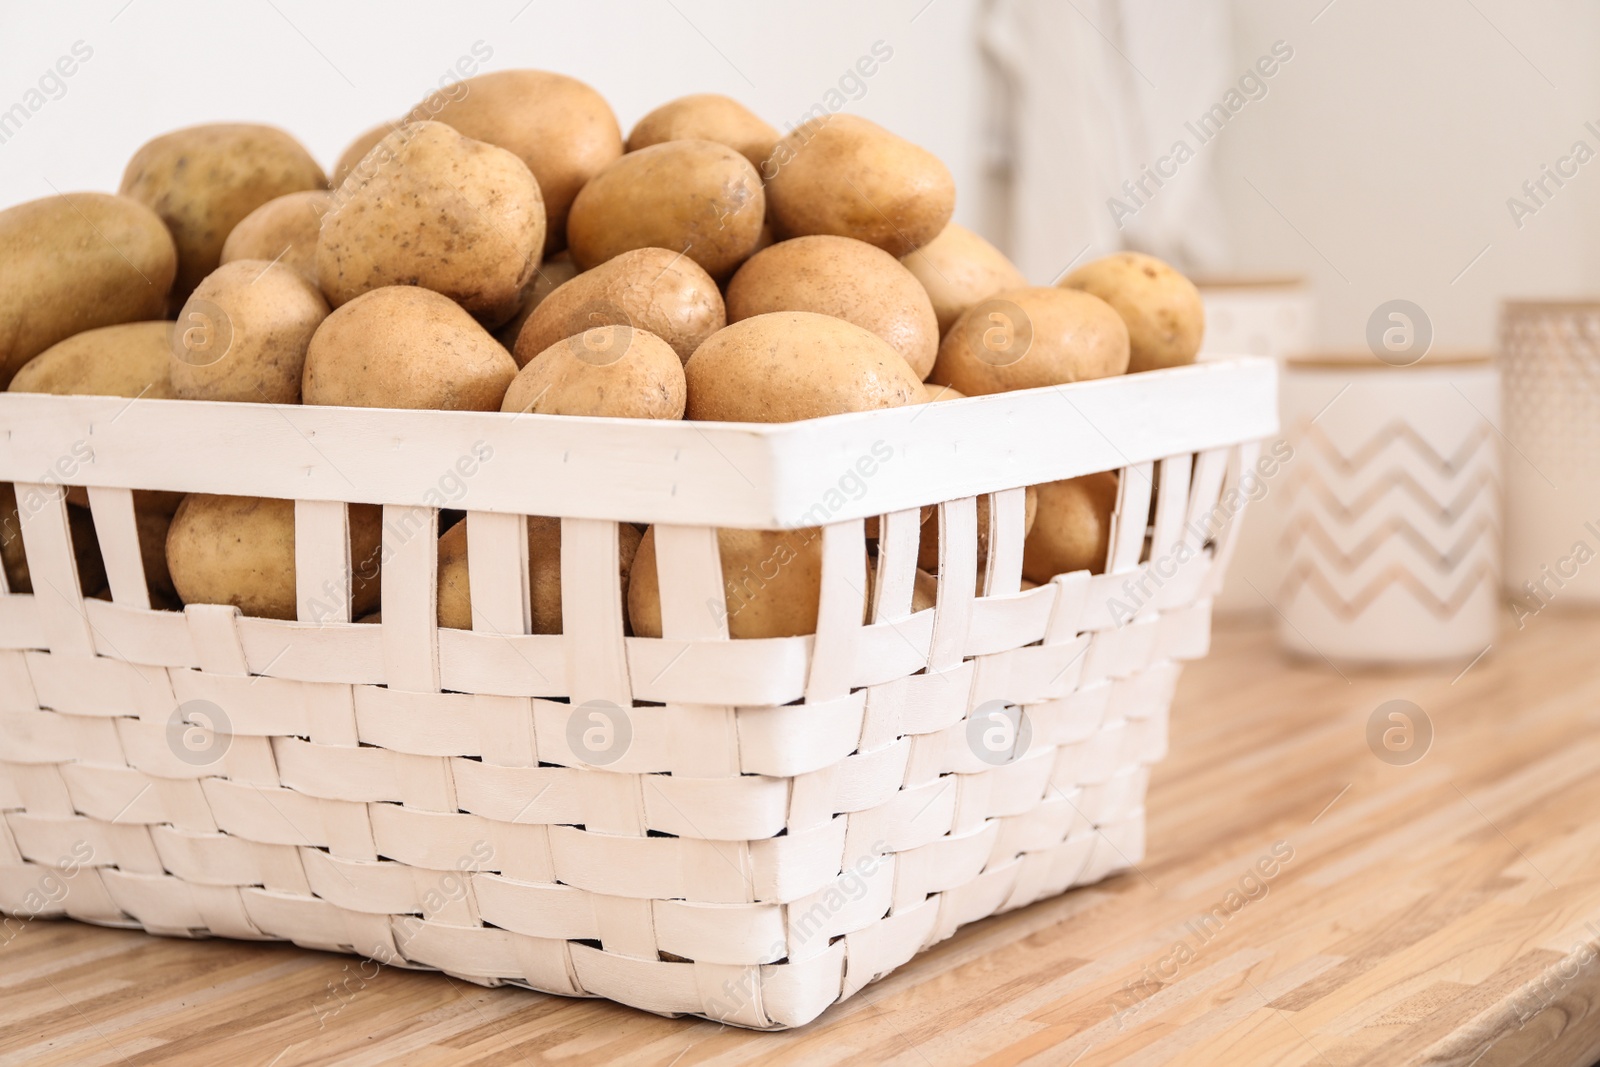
1073 529
76 262
1166 317
958 269
652 289
845 278
707 117
696 197
563 130
609 371
844 175
130 359
284 230
203 180
14 560
544 573
242 335
551 275
239 550
792 365
772 583
442 211
406 347
352 156
1026 338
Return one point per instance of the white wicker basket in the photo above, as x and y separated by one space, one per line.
783 821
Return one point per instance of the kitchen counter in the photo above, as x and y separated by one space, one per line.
1308 897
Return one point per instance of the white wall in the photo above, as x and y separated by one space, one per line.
1391 144
326 71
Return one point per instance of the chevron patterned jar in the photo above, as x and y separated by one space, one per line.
1390 544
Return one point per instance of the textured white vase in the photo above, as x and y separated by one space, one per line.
1271 317
1390 544
1550 362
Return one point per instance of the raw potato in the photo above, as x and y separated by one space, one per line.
203 180
928 547
284 229
553 273
243 334
76 262
544 573
1073 528
958 269
845 278
129 359
405 347
14 561
942 392
445 212
609 371
562 129
707 117
844 175
651 289
239 550
353 155
772 583
793 365
1027 338
1165 316
696 197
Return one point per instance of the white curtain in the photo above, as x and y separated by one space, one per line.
1085 94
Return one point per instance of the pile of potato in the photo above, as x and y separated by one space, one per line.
504 249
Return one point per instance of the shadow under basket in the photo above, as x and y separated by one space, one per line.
744 829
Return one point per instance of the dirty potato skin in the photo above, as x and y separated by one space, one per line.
1028 338
204 179
651 289
1072 531
242 335
696 197
544 573
1165 315
707 117
239 550
284 229
405 347
563 130
845 175
609 371
791 365
847 279
76 262
958 269
442 211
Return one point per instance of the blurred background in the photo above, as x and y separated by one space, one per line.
1376 161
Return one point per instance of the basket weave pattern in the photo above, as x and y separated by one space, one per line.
783 821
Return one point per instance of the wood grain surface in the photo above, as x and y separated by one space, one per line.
1303 901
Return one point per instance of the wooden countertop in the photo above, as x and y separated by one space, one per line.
1445 911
